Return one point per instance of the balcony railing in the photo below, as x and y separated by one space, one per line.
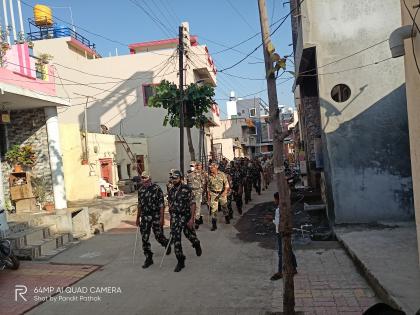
55 32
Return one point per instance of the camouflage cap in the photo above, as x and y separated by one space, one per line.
145 174
176 174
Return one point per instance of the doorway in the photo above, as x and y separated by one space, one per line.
106 169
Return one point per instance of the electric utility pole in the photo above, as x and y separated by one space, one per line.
181 89
278 159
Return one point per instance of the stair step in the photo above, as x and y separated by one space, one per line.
29 236
16 227
44 248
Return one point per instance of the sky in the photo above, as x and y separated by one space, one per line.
218 24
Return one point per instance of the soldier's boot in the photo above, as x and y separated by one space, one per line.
197 224
181 264
197 247
240 211
200 221
227 219
214 224
148 262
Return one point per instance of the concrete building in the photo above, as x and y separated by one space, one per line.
29 118
405 41
110 95
352 106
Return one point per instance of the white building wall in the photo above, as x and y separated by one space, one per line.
118 101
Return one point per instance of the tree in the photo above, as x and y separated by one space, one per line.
197 102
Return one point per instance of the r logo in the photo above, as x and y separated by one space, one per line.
20 290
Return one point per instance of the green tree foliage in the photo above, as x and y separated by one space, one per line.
197 101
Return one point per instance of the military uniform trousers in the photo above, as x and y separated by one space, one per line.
238 198
248 189
179 225
216 199
198 198
149 222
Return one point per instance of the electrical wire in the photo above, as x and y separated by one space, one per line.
240 15
152 16
262 42
165 62
89 32
412 30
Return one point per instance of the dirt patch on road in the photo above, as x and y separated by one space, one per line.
256 225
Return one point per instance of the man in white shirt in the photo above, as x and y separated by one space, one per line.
279 274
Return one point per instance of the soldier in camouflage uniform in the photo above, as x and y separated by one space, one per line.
182 209
218 187
169 184
247 168
256 176
196 180
237 186
231 196
150 216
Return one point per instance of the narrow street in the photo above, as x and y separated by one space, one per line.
231 277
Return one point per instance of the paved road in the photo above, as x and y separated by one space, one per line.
231 277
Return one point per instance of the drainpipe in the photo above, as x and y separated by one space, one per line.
397 37
6 21
12 18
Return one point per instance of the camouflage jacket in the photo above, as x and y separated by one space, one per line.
180 199
237 178
218 182
196 180
150 199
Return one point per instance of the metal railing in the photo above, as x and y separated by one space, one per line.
49 32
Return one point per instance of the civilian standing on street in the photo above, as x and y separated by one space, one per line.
279 274
182 210
150 215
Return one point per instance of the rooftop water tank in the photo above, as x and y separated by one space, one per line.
43 15
61 31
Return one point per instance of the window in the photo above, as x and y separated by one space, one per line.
252 112
148 91
340 93
128 170
252 131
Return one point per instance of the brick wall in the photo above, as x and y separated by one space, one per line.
28 127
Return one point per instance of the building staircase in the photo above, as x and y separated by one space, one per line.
39 242
130 153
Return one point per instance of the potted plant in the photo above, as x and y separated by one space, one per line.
19 156
41 191
49 205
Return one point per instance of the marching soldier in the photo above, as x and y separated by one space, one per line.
247 180
150 210
228 173
196 180
182 209
237 186
217 193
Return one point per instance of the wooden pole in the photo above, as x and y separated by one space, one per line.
286 226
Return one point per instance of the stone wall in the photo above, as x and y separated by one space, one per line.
28 127
312 124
